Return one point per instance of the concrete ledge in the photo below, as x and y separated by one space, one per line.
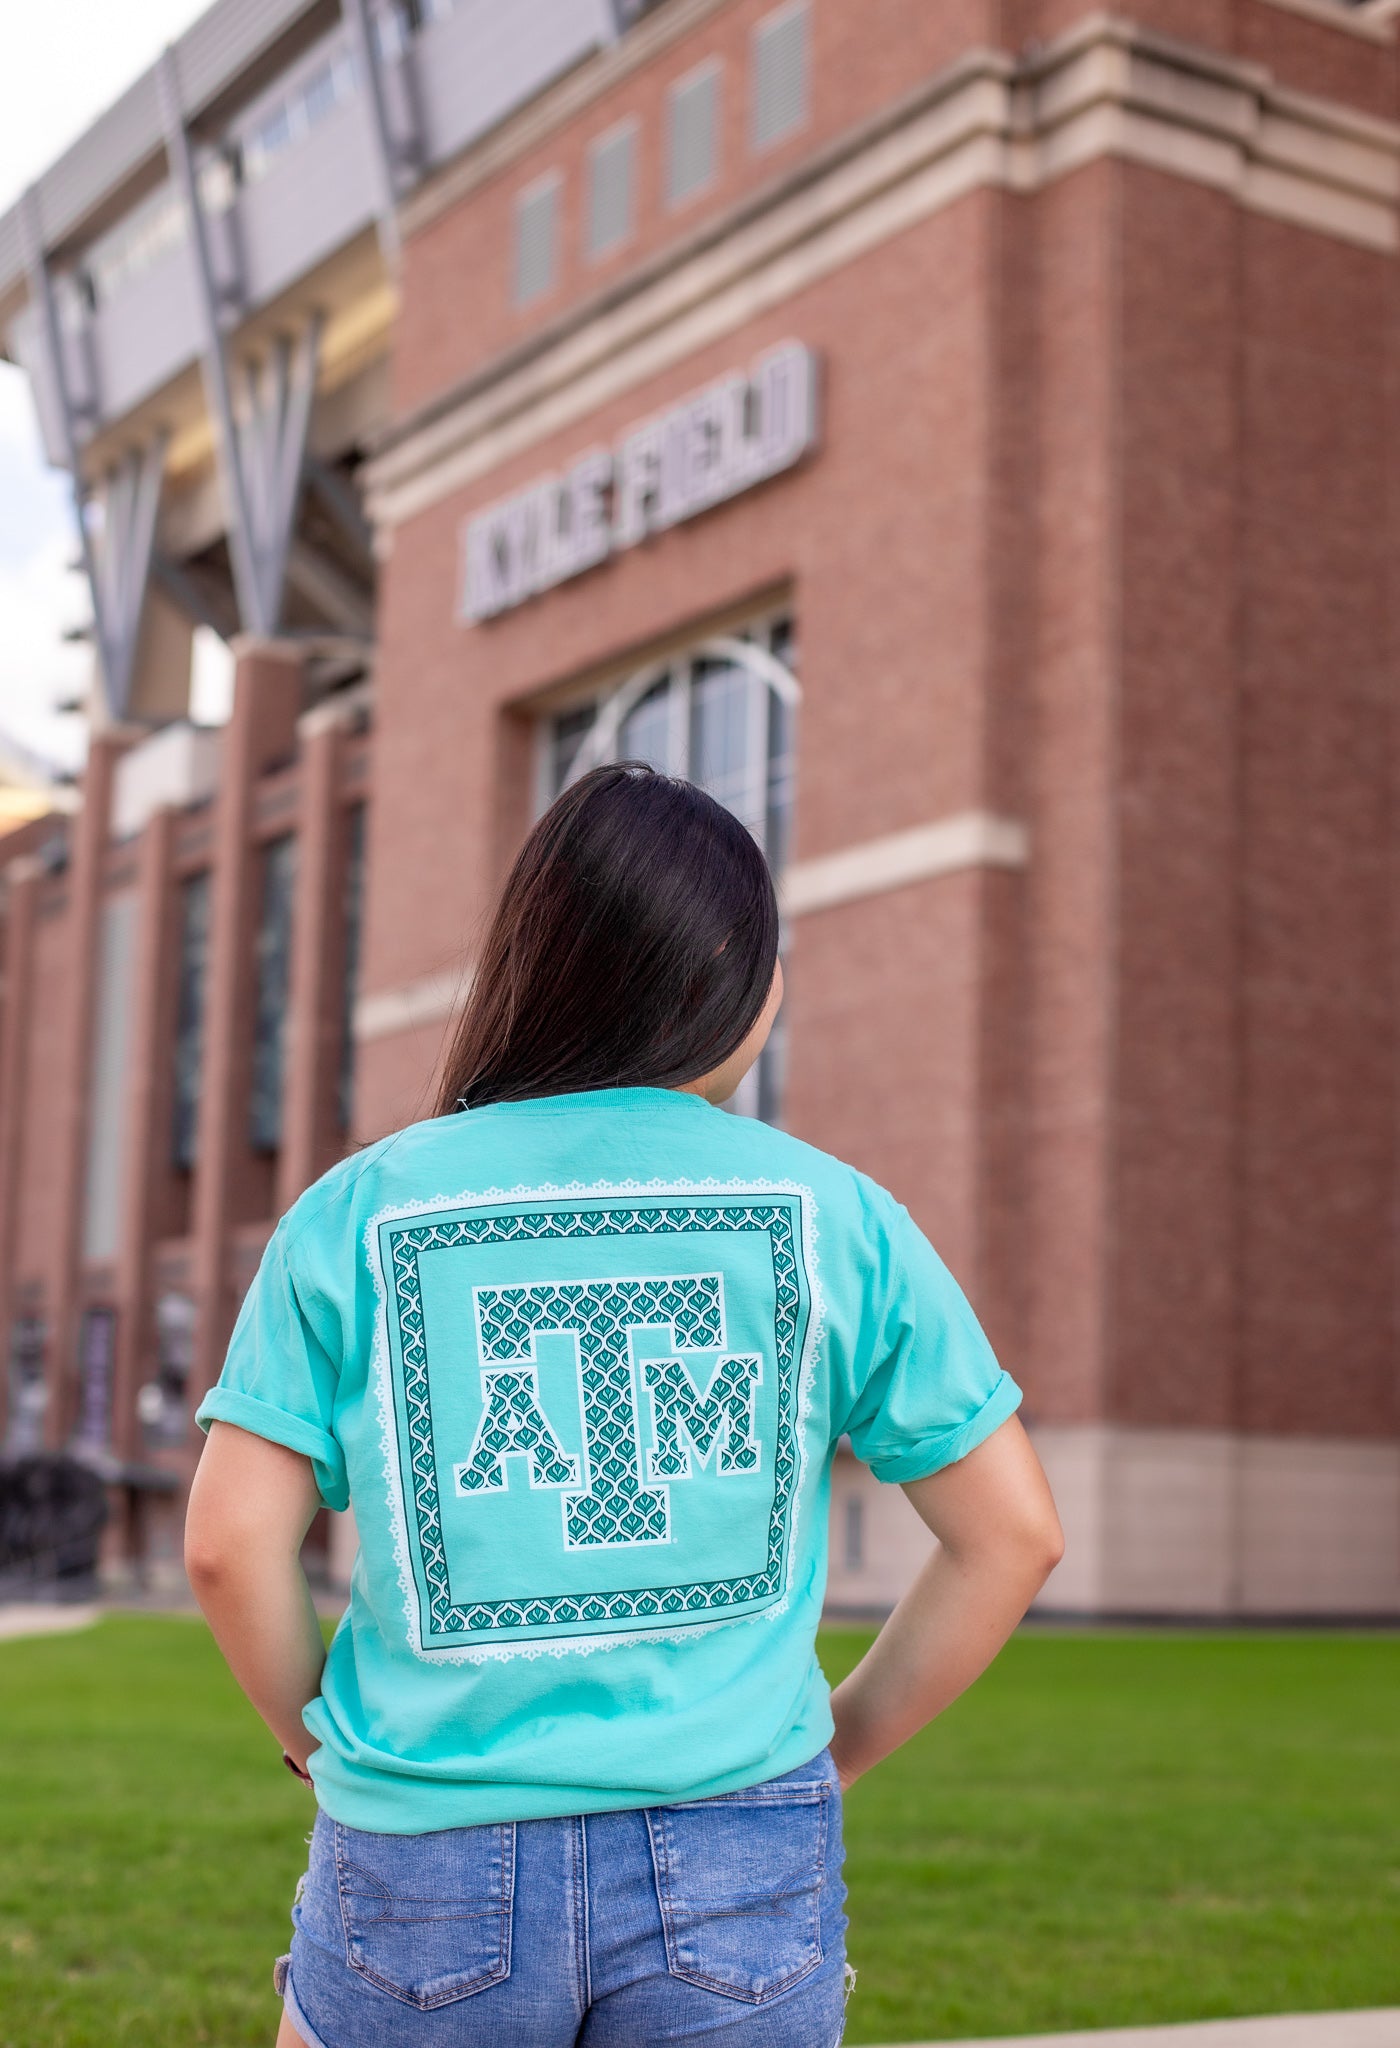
968 839
1379 2028
429 1000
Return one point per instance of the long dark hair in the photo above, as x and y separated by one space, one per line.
633 945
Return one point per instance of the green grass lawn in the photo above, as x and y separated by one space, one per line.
1110 1828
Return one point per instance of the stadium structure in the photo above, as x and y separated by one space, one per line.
964 437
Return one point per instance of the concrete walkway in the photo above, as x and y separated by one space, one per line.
1376 2029
38 1618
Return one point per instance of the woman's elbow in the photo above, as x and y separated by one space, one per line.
1033 1546
1050 1546
1018 1549
209 1556
231 1543
219 1545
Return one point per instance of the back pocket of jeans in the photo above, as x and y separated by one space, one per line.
427 1917
739 1882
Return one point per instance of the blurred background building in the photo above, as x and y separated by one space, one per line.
964 437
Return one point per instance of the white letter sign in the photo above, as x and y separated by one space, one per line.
723 440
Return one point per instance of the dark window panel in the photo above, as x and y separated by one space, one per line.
708 719
189 1018
353 913
272 973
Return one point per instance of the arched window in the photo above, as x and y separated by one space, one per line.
723 714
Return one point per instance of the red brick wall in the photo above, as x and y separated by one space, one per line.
458 283
1101 492
458 277
1317 683
1247 1278
885 543
1172 1280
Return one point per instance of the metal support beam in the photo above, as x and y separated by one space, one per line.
262 449
215 366
129 500
41 290
339 499
116 549
271 447
380 135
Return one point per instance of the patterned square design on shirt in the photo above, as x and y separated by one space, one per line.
592 1410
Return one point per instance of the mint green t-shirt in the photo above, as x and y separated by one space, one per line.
579 1365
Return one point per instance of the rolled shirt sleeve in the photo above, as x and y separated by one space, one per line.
927 1388
279 1378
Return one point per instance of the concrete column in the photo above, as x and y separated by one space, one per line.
150 1053
89 848
262 730
22 877
313 1017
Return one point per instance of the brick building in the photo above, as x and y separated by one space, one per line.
963 436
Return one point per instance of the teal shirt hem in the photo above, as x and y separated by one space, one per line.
383 1803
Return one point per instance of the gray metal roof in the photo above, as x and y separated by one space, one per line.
209 57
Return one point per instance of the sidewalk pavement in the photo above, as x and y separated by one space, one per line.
1379 2028
43 1618
47 1617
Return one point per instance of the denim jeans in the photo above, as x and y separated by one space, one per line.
717 1920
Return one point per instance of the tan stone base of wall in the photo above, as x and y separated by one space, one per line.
1205 1522
1168 1522
877 1542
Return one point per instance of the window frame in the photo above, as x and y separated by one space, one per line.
760 1094
624 136
763 33
550 185
710 72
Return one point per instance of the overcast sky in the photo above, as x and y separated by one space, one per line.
65 61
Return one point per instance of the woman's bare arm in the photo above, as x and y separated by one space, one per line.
999 1539
250 1507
